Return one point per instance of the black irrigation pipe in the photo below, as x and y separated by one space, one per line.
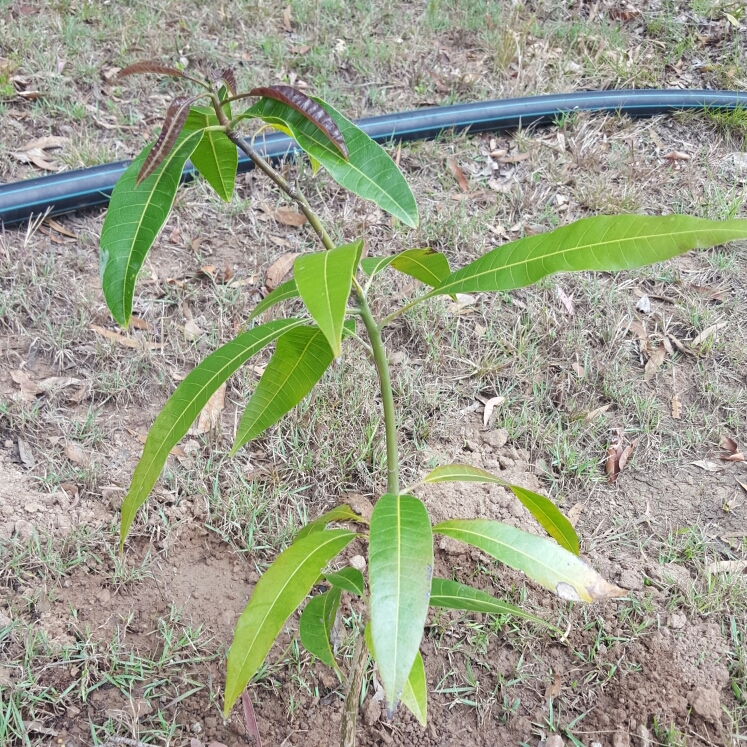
86 188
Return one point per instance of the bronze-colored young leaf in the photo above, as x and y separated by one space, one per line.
228 76
176 116
149 66
308 108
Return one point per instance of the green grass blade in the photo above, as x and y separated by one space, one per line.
317 622
277 594
216 157
324 280
185 405
338 513
300 359
133 220
399 577
283 292
369 171
455 596
349 579
427 265
543 509
415 692
604 243
542 560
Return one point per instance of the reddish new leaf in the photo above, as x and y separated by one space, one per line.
229 78
150 67
176 116
308 108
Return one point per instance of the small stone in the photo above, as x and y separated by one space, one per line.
677 621
196 728
631 580
72 711
252 577
385 737
24 529
471 445
33 508
8 444
211 722
515 508
595 744
5 620
371 713
644 735
706 703
104 596
621 739
7 510
555 740
506 462
497 438
358 562
398 357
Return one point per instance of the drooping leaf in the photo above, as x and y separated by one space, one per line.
186 403
300 359
216 157
338 513
543 509
415 692
283 292
542 560
349 579
176 116
426 265
317 622
324 280
308 108
369 171
455 596
277 594
399 577
228 76
604 243
149 66
133 220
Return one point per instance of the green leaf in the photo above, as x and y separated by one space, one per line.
317 622
349 579
277 594
415 692
133 220
426 265
324 280
301 357
604 243
543 509
399 577
283 292
185 405
216 157
369 171
338 513
541 559
455 596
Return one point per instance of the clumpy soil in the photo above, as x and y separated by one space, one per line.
617 671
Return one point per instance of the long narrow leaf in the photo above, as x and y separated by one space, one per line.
543 509
349 579
277 594
300 359
415 692
605 243
399 577
545 562
427 265
283 292
324 280
185 405
369 171
338 513
133 220
317 622
455 596
216 157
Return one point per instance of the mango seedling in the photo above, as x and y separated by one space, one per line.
333 285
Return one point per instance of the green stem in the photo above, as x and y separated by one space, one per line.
415 301
387 397
286 186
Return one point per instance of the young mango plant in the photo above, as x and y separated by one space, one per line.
334 285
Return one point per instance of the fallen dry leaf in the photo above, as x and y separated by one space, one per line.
707 466
578 369
279 241
192 331
738 457
614 452
679 345
728 566
289 217
514 158
741 484
33 151
707 333
676 407
566 300
128 342
710 294
250 720
728 444
210 415
277 271
658 356
676 155
29 389
625 456
76 455
458 173
287 25
639 331
596 413
138 323
644 304
60 228
490 405
25 453
56 383
574 513
553 688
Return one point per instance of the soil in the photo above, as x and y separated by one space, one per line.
674 671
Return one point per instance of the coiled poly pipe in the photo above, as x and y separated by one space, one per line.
85 188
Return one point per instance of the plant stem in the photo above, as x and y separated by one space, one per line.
402 309
385 384
286 186
353 692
